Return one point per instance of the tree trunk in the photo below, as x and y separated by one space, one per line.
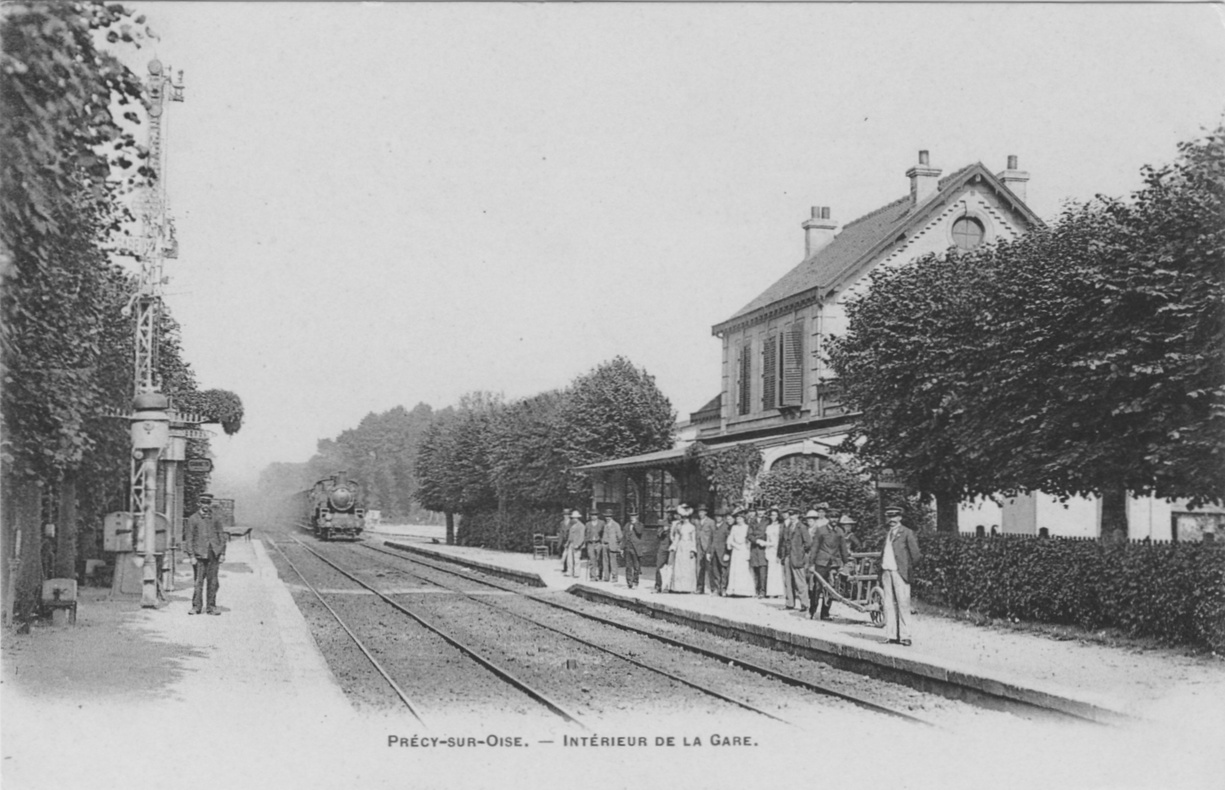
66 529
1114 514
23 511
946 513
450 528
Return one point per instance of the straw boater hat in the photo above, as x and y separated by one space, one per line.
812 514
846 520
576 514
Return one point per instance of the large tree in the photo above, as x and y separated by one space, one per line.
1083 358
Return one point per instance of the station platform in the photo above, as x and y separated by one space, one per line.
129 693
1086 680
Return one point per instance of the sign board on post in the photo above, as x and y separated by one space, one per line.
199 465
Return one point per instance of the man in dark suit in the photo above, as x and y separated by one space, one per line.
899 554
631 549
204 539
704 535
828 552
718 550
796 546
663 549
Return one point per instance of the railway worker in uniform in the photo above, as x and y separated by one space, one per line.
846 526
595 548
204 539
795 559
612 545
631 548
575 539
899 553
705 529
828 553
814 586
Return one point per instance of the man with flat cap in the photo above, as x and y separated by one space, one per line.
795 550
899 554
205 540
576 538
827 554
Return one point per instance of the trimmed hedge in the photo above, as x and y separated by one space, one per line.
1174 592
508 531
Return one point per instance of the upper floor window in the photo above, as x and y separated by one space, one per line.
782 368
968 233
744 378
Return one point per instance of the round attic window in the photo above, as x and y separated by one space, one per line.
968 233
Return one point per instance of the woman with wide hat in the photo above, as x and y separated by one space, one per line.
684 553
739 574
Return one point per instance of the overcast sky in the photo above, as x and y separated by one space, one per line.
383 204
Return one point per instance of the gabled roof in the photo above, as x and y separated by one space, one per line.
865 237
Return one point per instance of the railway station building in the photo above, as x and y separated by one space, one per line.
777 392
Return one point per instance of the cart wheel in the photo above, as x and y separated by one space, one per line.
876 600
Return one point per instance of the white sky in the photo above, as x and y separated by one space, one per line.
379 205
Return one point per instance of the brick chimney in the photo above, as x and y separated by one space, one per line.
924 180
819 231
1013 178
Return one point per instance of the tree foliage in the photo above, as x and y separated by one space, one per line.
1083 358
729 471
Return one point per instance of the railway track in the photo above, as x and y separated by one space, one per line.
413 708
723 658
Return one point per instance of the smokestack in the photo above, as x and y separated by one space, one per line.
924 180
1014 178
819 231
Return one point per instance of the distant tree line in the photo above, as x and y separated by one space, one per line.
1082 358
380 453
508 468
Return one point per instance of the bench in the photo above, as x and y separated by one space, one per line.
239 533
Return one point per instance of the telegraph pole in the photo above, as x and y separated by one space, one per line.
150 416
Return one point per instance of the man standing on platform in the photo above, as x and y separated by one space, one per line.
795 567
204 539
595 548
575 539
563 535
823 521
704 534
631 546
611 547
828 553
899 554
663 550
718 550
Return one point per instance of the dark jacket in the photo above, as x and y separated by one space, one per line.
828 548
665 544
631 538
757 553
704 532
718 539
798 543
203 533
905 551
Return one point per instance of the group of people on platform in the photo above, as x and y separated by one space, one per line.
748 552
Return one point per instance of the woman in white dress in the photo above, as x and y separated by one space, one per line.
774 567
739 575
684 553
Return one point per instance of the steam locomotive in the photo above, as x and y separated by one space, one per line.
333 508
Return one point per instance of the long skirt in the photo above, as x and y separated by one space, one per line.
740 575
774 577
684 571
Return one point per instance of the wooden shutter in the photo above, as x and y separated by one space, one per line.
793 365
745 379
769 373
